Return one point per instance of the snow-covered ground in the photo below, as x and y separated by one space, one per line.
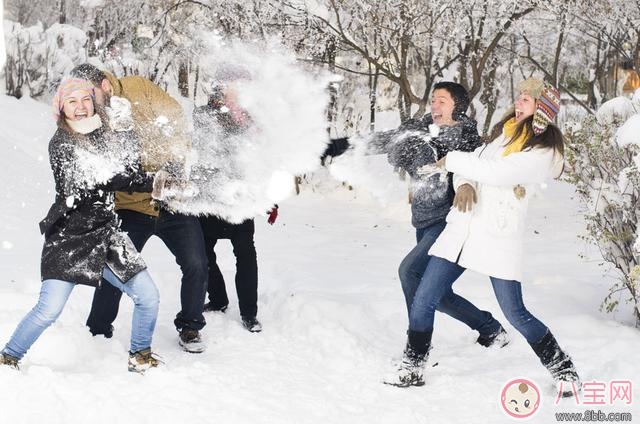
332 310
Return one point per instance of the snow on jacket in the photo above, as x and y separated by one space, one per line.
411 146
81 229
489 238
160 125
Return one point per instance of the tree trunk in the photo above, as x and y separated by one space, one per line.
373 90
63 12
195 83
183 79
489 97
330 53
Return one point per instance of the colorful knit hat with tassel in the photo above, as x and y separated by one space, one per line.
547 108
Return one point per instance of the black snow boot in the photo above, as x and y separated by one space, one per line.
498 339
559 365
411 369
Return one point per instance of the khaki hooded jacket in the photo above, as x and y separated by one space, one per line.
160 125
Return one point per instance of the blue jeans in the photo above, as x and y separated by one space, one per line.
411 271
437 282
54 295
183 236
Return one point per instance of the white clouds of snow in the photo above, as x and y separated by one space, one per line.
94 169
371 173
249 172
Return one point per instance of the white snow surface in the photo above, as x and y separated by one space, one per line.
332 310
629 132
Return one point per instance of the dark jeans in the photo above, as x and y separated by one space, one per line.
241 237
411 271
183 236
437 281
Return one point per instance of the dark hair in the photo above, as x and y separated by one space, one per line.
459 94
216 98
89 72
551 137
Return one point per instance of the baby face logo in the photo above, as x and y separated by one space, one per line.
520 398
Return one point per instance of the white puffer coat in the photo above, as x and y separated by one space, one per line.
489 238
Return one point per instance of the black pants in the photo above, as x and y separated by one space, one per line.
182 234
241 237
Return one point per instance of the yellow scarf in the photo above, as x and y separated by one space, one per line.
509 130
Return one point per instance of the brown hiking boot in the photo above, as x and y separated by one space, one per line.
9 360
190 341
143 360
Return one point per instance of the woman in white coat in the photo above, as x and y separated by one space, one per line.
485 233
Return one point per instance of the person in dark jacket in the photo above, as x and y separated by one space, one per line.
220 120
163 146
419 142
83 241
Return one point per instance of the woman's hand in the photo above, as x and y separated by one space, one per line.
159 183
465 198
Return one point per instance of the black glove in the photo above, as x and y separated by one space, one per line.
336 147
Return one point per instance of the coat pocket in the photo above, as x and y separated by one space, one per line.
504 213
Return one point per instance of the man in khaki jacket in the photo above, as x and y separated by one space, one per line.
159 123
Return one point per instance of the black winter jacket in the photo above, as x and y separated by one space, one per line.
81 229
411 146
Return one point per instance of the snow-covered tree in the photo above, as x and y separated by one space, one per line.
604 155
38 58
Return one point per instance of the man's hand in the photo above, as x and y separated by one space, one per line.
433 168
166 186
465 198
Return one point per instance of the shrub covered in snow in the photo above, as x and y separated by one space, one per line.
604 158
36 59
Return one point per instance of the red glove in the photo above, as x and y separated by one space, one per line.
273 215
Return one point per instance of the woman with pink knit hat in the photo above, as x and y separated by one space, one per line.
485 233
83 241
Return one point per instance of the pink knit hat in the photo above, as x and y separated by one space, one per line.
66 88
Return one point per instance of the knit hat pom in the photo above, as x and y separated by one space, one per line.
547 108
531 86
65 89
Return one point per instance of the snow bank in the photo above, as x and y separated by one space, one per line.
629 132
618 109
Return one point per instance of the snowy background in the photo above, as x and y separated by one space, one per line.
331 306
